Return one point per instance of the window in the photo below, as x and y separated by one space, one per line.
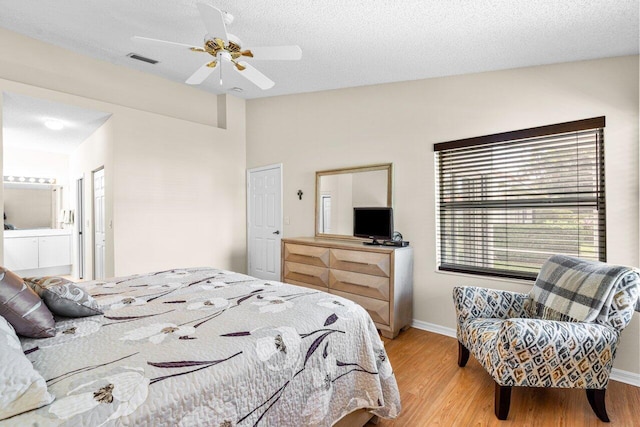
506 202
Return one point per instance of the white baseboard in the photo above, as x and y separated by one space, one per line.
626 377
432 327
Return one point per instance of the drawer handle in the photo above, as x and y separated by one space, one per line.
356 284
304 274
306 256
359 262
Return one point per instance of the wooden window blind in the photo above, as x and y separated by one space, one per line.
508 201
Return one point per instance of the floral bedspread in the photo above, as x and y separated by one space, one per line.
201 346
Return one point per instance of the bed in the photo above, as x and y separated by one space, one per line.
202 346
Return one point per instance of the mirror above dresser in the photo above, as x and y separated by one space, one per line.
338 191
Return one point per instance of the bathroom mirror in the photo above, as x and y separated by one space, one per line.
31 206
338 191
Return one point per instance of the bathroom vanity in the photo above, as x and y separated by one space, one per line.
38 252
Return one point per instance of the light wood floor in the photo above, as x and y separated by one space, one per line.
436 392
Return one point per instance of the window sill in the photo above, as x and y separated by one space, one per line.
522 282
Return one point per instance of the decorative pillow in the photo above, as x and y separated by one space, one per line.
23 308
63 297
22 388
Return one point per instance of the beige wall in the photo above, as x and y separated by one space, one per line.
94 153
175 182
400 122
180 193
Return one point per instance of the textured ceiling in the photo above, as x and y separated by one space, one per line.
23 126
344 43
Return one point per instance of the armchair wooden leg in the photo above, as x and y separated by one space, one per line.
463 355
502 401
596 400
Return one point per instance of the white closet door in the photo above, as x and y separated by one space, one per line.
264 217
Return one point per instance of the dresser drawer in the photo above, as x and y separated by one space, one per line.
361 284
296 272
378 310
307 285
304 254
360 262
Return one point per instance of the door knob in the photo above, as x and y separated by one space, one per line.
276 232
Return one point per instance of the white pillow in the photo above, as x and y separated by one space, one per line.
21 387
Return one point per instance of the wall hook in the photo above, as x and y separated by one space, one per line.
300 193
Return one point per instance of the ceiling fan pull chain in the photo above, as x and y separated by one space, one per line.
220 70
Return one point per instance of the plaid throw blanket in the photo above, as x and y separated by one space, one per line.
574 290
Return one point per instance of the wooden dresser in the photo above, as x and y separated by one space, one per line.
379 278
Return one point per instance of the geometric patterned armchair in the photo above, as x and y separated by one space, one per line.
545 338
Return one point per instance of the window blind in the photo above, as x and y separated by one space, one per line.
506 202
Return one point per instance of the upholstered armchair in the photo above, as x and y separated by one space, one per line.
513 337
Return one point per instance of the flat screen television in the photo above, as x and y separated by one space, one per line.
373 223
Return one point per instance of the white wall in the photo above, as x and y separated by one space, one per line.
400 122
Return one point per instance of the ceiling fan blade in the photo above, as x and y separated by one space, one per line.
201 74
156 42
213 21
279 53
255 76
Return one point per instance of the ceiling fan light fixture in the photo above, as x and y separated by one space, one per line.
227 17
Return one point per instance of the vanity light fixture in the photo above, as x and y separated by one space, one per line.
54 124
29 180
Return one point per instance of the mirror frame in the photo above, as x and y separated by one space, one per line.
370 168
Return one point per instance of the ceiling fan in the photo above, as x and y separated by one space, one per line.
227 47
